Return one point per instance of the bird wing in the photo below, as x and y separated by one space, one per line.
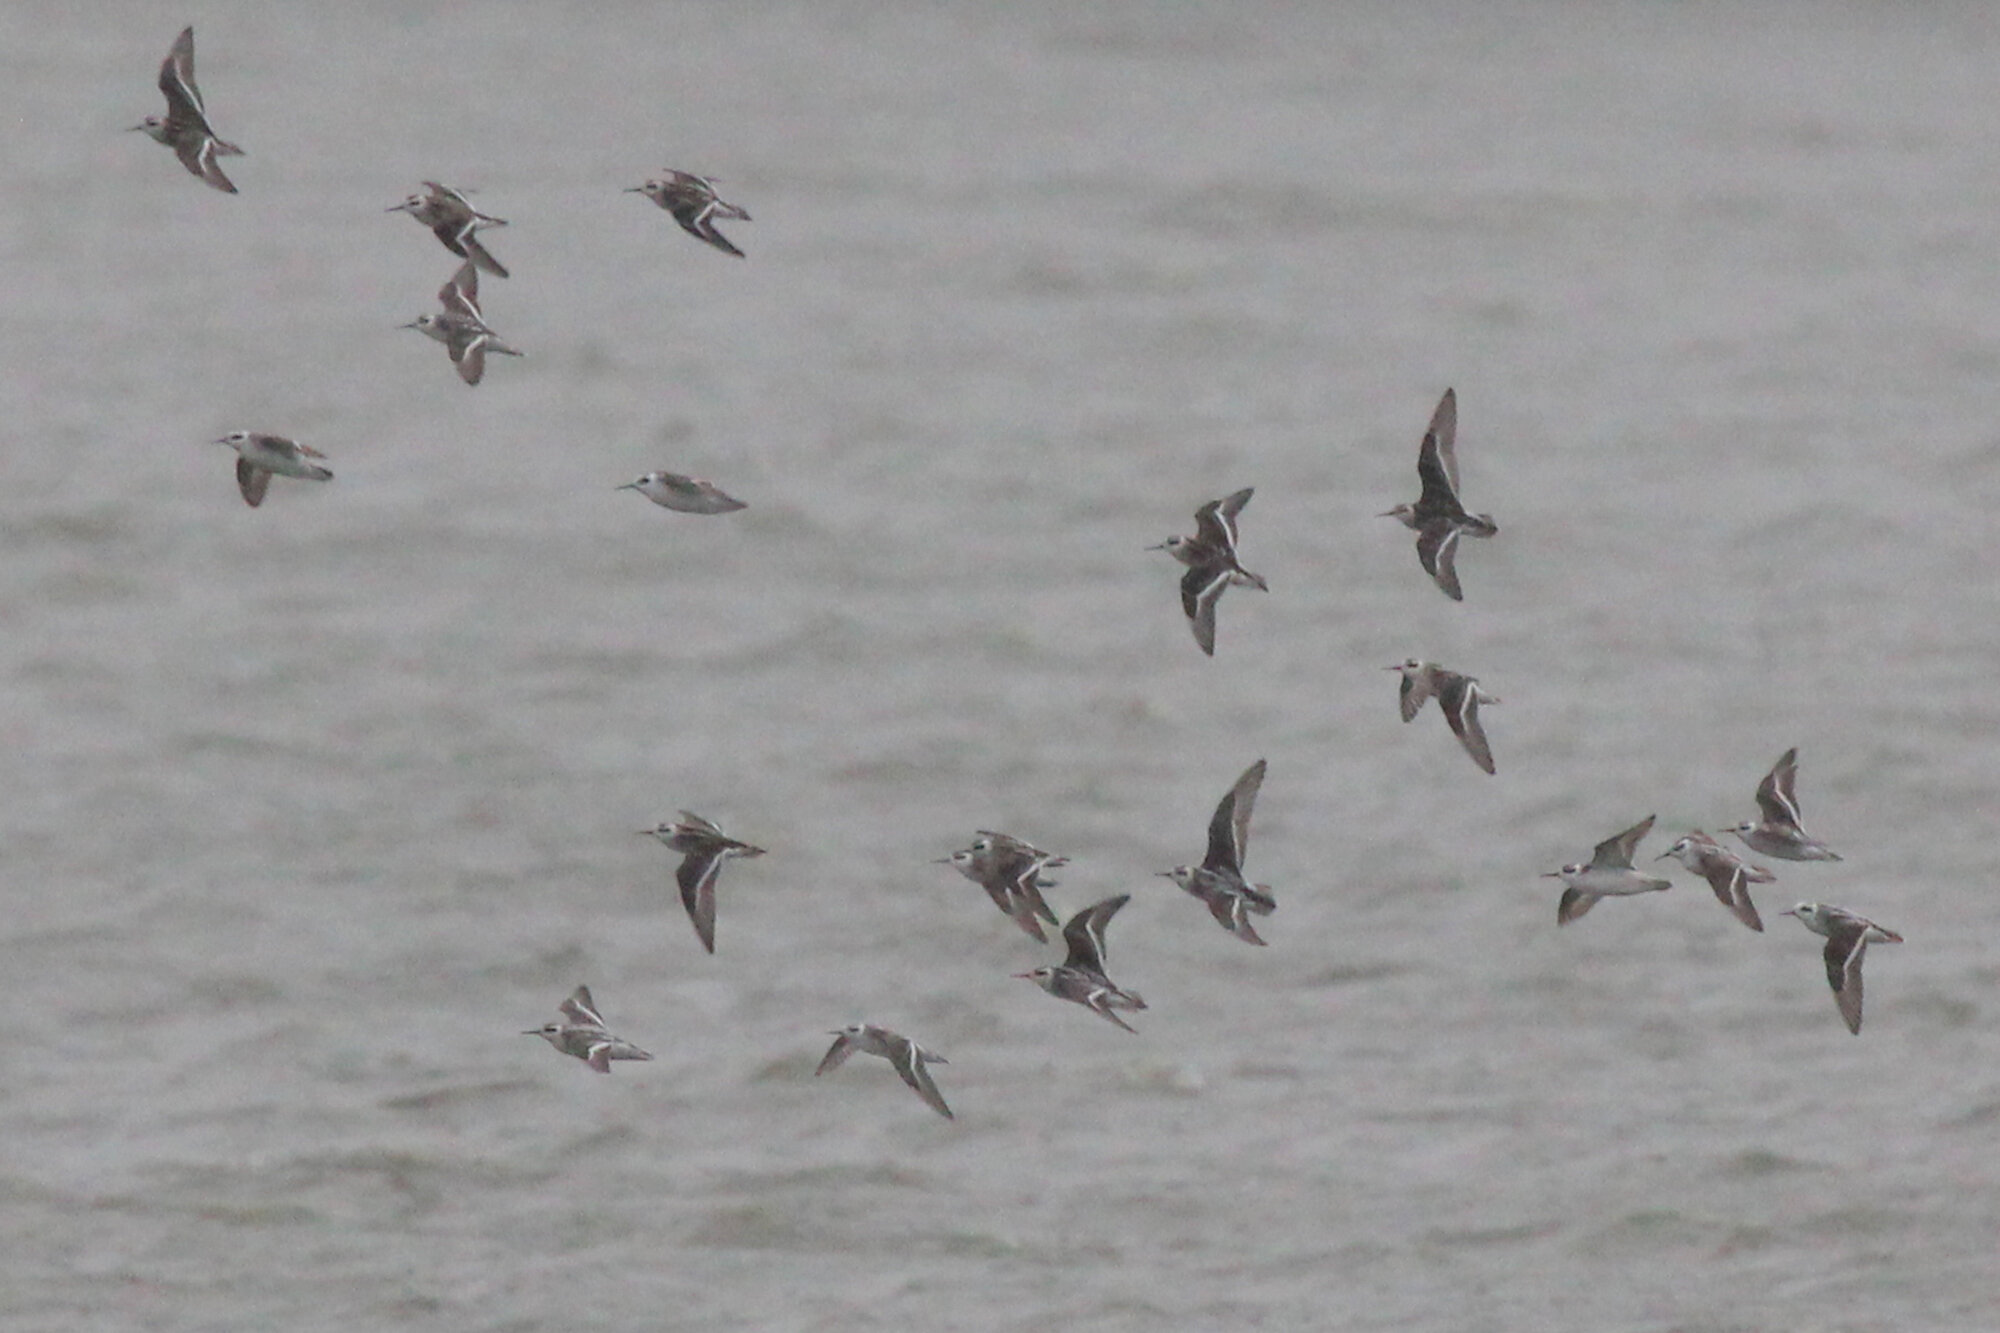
1459 699
1615 853
1085 935
1440 497
184 105
694 822
1229 829
1846 942
1437 548
470 247
1574 903
253 481
836 1054
1215 522
696 876
1444 429
460 295
1730 879
469 355
909 1062
197 153
1777 794
1231 911
579 1008
1415 690
1201 589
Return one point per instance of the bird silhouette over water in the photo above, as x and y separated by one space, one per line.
1437 516
185 127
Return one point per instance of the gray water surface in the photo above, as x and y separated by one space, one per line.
309 810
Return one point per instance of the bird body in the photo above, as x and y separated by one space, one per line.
695 205
1219 881
1728 874
1779 834
1848 936
1608 874
582 1034
1212 566
455 222
1459 698
185 127
703 849
259 456
1437 516
904 1055
1081 979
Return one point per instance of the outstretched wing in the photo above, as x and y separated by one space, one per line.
1201 589
1616 853
909 1061
253 481
696 877
1215 522
1229 829
1085 934
836 1054
1845 945
184 105
1440 497
1459 698
580 1009
1437 549
1777 794
1444 430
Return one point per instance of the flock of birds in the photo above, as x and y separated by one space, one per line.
1011 871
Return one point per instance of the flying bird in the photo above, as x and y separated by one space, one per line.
1437 517
1779 834
259 456
1847 939
454 221
185 127
1210 556
583 1035
1219 881
461 327
695 205
1609 874
703 849
906 1056
1458 697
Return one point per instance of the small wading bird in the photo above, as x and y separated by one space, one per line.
1847 938
1011 873
1458 699
1081 977
1780 835
460 326
583 1034
695 205
258 456
703 849
1210 556
1609 875
453 220
1726 872
185 127
1437 517
688 495
1218 881
906 1056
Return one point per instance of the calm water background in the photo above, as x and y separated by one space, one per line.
308 811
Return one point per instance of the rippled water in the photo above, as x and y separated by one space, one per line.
308 811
